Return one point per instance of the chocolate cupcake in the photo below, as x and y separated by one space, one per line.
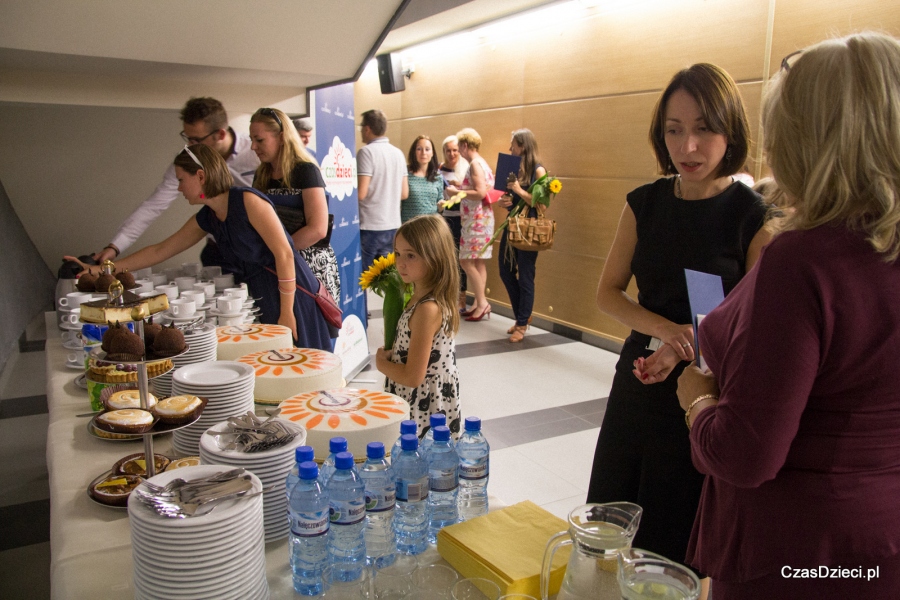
114 489
104 281
87 283
135 464
110 334
151 330
127 280
126 346
169 341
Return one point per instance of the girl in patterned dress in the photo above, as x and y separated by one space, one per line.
421 366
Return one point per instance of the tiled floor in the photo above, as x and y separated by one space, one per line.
541 403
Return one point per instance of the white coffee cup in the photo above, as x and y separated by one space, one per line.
71 336
191 269
210 272
73 300
144 273
171 291
182 307
72 317
75 358
185 283
207 287
223 281
198 297
236 292
143 285
159 279
229 304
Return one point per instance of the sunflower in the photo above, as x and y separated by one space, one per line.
555 186
375 276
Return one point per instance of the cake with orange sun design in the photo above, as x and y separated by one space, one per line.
361 416
283 373
236 341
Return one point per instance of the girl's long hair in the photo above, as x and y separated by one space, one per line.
530 158
292 150
431 239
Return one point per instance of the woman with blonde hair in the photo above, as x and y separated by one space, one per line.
477 218
796 424
290 177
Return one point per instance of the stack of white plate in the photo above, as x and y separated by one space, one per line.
228 388
271 466
219 555
202 343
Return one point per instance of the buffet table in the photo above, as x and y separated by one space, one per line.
90 544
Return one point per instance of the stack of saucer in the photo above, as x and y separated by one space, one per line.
272 468
202 343
218 555
228 388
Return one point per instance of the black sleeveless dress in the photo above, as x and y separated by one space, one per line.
643 451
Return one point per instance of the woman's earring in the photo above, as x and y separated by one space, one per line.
728 153
202 196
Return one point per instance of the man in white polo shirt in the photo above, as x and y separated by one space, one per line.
204 121
382 184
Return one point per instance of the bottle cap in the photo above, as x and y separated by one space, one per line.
437 419
309 470
375 450
343 460
473 424
407 427
409 442
441 433
337 444
304 453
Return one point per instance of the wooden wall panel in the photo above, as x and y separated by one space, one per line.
469 76
638 46
604 137
800 23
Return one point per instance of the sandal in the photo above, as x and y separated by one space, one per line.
518 334
513 328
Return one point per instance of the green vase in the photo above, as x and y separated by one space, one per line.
392 309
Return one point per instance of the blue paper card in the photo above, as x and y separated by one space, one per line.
506 164
705 292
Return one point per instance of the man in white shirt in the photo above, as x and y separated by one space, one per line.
204 121
381 184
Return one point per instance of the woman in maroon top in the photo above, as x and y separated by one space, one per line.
797 424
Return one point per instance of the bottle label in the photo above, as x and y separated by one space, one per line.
380 500
309 524
412 491
443 480
347 512
477 470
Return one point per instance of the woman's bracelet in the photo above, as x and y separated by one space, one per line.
281 291
113 248
294 279
687 413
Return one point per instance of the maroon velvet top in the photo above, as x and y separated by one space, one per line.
802 452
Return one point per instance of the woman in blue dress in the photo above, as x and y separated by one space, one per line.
250 237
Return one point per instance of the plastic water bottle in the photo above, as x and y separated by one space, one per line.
443 482
381 496
346 541
302 454
335 445
410 518
474 469
309 512
435 420
405 428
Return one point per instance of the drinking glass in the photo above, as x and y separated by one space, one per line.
517 597
475 588
436 579
335 589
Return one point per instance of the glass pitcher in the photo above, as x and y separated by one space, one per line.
597 533
644 575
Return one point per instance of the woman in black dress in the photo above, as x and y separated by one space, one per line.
700 219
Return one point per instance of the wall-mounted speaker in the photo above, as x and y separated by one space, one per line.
390 73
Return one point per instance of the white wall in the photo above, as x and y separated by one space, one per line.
73 173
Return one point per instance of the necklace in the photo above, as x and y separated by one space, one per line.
678 187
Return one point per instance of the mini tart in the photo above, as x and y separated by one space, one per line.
187 461
178 409
103 372
115 489
135 464
127 399
129 420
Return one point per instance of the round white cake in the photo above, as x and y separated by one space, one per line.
236 341
281 374
361 416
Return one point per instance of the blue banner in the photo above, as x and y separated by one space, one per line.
335 146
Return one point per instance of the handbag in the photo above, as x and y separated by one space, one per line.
294 218
531 234
327 306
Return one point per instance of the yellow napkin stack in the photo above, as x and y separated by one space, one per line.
507 547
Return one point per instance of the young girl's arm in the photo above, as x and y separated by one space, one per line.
423 324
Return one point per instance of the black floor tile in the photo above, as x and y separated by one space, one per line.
24 524
583 408
23 407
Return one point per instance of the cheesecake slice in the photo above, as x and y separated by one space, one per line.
97 311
